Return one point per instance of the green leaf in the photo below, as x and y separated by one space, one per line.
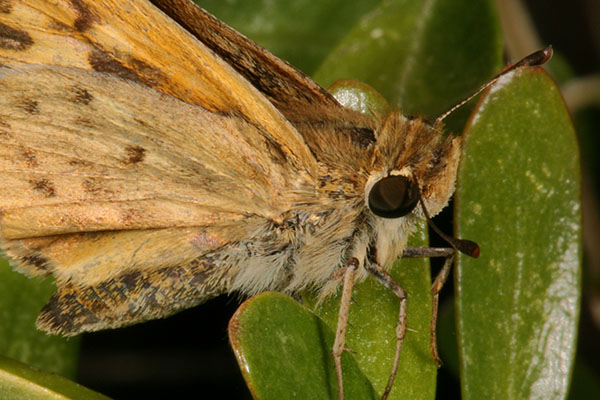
421 55
284 352
21 299
360 97
519 198
19 381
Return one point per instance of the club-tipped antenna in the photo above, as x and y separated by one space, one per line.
534 59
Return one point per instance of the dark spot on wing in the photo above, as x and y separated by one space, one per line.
84 122
134 155
37 261
44 186
14 39
102 62
29 157
126 67
130 280
81 95
85 18
75 162
30 106
5 6
95 187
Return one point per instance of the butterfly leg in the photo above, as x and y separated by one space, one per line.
340 334
386 280
436 286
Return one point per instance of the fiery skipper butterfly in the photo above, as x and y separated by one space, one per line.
153 158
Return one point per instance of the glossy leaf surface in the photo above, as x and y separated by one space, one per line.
19 381
519 198
284 351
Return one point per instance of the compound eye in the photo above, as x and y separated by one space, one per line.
393 197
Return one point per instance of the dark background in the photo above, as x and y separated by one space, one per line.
188 355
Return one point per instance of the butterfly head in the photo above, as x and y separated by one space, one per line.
412 160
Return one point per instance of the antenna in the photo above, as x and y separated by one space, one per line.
465 246
534 59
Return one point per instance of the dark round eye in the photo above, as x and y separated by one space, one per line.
393 197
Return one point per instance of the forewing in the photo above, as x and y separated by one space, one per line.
86 151
297 96
315 113
134 40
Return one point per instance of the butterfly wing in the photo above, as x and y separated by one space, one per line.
130 156
117 278
297 96
85 151
136 41
323 122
